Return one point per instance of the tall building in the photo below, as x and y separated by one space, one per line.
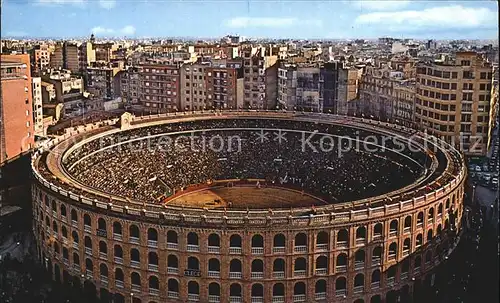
159 86
40 58
193 88
16 107
224 87
454 98
37 106
260 78
57 57
71 56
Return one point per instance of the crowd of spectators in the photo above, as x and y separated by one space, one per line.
335 168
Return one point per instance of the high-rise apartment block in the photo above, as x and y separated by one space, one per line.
225 86
454 99
36 88
193 88
260 77
160 86
16 107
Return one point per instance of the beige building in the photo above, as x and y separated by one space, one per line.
36 88
385 94
454 100
348 83
193 89
260 77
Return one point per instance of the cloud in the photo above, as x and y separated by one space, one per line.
128 30
241 22
381 5
107 4
16 34
449 17
61 2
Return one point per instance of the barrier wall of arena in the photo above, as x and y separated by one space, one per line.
148 246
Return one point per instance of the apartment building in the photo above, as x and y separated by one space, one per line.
57 56
71 56
224 87
453 100
16 107
100 80
193 86
36 88
300 86
86 55
69 91
159 86
40 58
260 77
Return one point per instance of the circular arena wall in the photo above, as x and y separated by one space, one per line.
378 249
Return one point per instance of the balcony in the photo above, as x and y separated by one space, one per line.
341 292
103 256
359 289
75 246
87 228
119 284
299 273
135 264
104 280
279 250
360 241
172 270
213 274
404 276
299 298
152 243
342 244
193 298
136 288
391 281
74 223
375 285
376 261
234 299
213 299
117 237
235 275
278 299
118 260
235 250
171 245
214 249
88 250
407 230
257 300
193 248
416 270
321 271
321 247
279 274
153 267
89 274
300 249
134 240
257 250
393 233
154 292
173 294
257 275
392 256
341 268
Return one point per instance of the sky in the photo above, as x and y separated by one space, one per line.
334 19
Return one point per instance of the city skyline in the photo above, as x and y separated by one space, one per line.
277 19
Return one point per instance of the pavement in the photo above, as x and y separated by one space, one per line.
16 245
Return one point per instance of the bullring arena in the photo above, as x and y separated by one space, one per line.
246 206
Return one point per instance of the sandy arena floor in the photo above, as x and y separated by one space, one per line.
245 197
